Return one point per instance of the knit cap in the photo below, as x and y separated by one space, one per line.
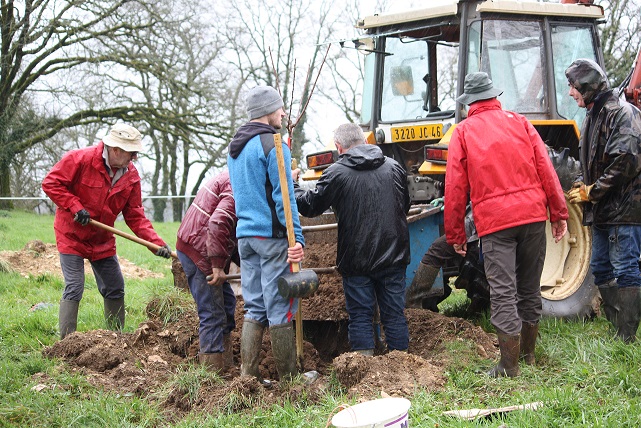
262 100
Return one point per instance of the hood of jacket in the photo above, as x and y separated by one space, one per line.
362 157
246 133
588 78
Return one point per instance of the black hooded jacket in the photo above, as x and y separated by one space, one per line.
369 196
610 150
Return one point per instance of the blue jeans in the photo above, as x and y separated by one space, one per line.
109 279
615 254
216 307
386 287
262 262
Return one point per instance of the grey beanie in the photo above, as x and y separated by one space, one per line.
262 100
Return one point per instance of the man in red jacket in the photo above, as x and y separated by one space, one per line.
98 182
498 160
206 246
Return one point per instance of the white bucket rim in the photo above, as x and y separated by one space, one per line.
370 413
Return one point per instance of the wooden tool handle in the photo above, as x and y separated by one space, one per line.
284 189
153 247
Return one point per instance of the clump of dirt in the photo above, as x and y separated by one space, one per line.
396 373
39 258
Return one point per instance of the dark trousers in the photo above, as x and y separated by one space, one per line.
109 279
216 307
362 293
513 260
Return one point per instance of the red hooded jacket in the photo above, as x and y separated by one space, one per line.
80 180
498 160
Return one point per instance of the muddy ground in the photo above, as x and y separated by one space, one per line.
143 363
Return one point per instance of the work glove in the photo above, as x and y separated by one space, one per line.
438 202
82 217
164 251
579 194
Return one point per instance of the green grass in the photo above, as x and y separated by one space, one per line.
583 376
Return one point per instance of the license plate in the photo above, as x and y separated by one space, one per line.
417 133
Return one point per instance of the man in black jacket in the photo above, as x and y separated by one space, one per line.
609 190
369 196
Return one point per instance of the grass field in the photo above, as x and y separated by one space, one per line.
583 376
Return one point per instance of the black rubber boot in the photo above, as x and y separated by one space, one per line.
67 317
251 342
213 361
115 313
509 363
529 333
610 296
421 285
284 349
629 313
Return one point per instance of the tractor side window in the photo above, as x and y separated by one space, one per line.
403 88
511 52
569 43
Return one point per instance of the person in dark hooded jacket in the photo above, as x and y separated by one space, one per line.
262 233
609 190
368 193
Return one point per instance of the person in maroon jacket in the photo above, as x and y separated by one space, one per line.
497 160
98 182
206 246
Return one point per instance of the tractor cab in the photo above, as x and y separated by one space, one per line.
415 65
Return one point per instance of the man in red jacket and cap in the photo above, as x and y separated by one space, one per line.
497 160
98 182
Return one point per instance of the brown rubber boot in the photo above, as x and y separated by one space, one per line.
228 353
610 296
67 317
284 349
529 333
366 352
213 361
251 343
421 285
115 313
509 363
629 313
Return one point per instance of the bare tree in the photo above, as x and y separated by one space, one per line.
620 37
40 42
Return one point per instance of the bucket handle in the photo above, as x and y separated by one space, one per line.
334 411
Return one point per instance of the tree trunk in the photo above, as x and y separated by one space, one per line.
5 184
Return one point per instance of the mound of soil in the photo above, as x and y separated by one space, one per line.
38 258
144 362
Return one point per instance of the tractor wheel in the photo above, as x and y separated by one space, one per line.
566 284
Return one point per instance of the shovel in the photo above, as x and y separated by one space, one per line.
297 283
153 247
285 293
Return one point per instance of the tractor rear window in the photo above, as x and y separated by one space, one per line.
511 52
569 43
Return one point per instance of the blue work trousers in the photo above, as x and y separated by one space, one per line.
615 254
262 262
216 307
362 293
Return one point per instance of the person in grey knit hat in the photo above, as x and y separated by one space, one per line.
262 235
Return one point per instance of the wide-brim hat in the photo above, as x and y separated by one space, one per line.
125 137
478 86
